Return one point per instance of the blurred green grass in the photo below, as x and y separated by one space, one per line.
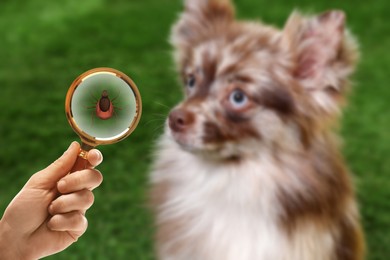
45 45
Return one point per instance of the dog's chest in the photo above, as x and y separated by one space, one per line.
226 211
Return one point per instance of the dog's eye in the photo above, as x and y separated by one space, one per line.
191 81
238 98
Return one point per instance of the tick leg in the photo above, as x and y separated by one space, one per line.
94 98
92 116
92 113
115 109
94 105
112 100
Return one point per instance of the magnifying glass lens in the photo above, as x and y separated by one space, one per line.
103 106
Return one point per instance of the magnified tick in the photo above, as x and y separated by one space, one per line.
104 107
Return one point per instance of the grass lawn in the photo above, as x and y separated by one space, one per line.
45 45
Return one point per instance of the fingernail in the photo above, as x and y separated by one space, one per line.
95 157
99 156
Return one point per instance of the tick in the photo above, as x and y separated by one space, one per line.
104 107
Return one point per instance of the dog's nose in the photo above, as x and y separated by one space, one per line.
180 120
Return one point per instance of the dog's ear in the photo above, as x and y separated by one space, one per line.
200 20
325 55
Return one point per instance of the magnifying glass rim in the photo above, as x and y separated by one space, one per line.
91 140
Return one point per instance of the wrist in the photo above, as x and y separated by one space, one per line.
8 247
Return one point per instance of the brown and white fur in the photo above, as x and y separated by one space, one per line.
249 166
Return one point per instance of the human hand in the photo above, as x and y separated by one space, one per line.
47 215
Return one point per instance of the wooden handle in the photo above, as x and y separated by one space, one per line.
80 164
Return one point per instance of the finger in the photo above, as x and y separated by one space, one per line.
60 167
77 201
94 157
85 179
73 221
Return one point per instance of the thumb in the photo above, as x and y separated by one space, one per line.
60 167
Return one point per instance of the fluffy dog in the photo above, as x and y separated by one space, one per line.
249 166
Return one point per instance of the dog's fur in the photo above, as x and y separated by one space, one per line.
249 166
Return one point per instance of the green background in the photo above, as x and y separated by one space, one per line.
45 45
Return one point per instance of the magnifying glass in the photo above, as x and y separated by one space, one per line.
103 106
